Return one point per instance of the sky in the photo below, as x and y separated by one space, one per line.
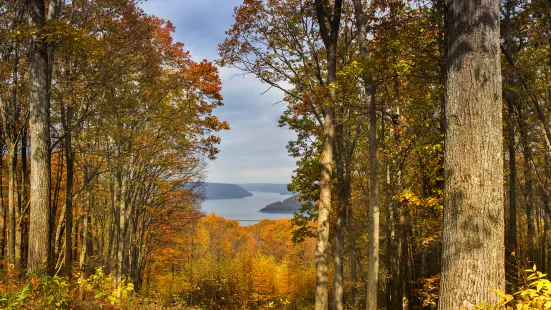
253 151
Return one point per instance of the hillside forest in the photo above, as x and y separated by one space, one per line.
423 157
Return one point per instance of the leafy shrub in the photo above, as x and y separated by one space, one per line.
40 293
100 285
47 292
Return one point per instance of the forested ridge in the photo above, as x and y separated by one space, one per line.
423 157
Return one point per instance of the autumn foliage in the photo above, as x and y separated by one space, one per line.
216 263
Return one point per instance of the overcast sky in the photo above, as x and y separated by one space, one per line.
254 149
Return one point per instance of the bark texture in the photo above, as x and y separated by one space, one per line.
39 101
373 213
473 228
329 35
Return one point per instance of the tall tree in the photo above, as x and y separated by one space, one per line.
329 33
373 211
511 244
361 26
39 125
473 235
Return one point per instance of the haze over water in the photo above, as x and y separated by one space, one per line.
246 208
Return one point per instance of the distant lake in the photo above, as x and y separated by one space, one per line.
246 208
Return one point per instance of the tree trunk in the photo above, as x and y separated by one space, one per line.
12 203
403 258
121 227
528 190
24 193
341 155
473 235
338 254
373 213
352 257
511 245
67 116
85 231
390 259
330 37
19 212
39 123
3 218
324 209
112 232
11 134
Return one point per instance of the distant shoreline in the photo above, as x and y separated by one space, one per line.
234 198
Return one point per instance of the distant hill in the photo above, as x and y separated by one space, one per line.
267 188
289 205
224 191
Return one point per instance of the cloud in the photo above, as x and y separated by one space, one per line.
254 149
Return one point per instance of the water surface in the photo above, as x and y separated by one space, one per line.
246 209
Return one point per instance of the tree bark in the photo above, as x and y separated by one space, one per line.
352 257
12 203
121 227
529 189
343 150
10 118
362 41
329 36
473 235
3 215
373 212
511 245
25 196
338 250
67 116
403 258
39 123
324 210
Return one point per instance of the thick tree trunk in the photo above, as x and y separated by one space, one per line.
39 123
322 240
330 36
473 235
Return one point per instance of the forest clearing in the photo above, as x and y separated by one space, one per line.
420 144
